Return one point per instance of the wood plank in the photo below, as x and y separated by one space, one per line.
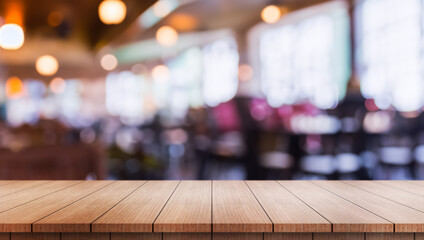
5 182
344 215
238 236
137 212
339 236
4 236
78 216
85 236
235 209
18 186
35 236
405 219
187 236
188 210
288 236
419 236
19 219
287 212
400 196
136 236
407 186
390 236
22 197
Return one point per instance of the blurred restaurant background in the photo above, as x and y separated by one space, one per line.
211 89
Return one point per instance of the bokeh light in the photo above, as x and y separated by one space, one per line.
161 73
57 85
162 8
46 65
245 72
112 11
271 14
167 36
11 36
55 18
109 62
14 88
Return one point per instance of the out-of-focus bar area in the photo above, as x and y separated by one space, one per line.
211 89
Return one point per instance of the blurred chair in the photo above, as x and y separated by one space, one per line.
278 165
348 165
318 167
67 162
395 163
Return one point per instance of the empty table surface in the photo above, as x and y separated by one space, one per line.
211 206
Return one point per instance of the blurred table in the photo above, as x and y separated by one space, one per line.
248 210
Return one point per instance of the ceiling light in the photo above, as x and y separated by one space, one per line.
46 65
167 36
271 14
109 62
112 11
11 36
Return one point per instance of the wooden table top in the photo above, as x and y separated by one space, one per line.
211 206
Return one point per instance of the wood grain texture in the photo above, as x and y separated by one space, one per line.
288 236
19 219
136 236
35 236
238 236
400 196
235 209
419 236
138 211
4 236
85 236
78 216
188 209
287 212
18 186
389 236
344 215
5 182
339 236
405 219
186 236
28 195
409 186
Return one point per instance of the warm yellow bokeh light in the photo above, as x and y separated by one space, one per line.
162 8
112 11
58 85
55 18
46 65
271 14
183 22
109 62
245 72
11 36
14 88
161 73
167 36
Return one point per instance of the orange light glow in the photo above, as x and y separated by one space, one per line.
245 72
55 18
46 65
271 14
14 88
14 13
167 36
58 85
183 22
112 11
